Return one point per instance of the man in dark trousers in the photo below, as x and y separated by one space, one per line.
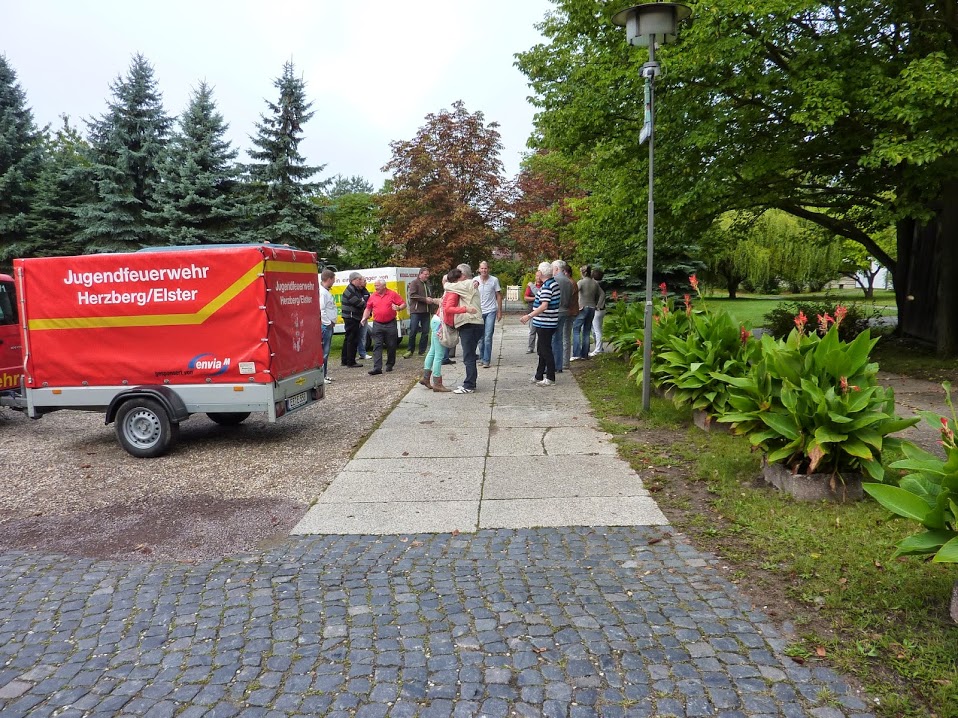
382 307
352 306
417 292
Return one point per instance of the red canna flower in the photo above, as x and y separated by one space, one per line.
688 305
844 384
840 312
823 321
694 281
744 334
664 290
947 434
800 321
615 295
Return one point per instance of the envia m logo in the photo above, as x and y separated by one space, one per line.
210 363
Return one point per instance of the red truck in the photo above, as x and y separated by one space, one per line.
151 337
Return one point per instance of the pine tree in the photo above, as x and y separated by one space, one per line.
61 190
128 145
281 210
20 159
199 194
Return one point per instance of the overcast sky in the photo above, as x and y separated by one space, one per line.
373 69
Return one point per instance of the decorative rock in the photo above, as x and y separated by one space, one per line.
814 487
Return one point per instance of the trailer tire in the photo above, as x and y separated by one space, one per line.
144 429
228 418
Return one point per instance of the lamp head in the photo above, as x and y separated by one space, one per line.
651 22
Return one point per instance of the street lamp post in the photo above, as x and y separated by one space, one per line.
649 24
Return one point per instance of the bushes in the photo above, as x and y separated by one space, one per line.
780 321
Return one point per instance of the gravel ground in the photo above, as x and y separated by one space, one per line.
67 485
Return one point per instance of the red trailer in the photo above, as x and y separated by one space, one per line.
151 337
11 358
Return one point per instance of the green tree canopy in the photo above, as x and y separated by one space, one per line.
355 229
837 113
350 185
62 189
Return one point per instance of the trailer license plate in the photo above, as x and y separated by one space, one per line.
296 401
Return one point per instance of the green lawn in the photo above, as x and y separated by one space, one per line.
750 309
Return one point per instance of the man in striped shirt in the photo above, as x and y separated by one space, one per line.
545 318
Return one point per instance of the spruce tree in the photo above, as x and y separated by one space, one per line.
62 188
280 207
199 194
20 160
128 144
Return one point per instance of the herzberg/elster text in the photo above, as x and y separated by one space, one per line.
126 275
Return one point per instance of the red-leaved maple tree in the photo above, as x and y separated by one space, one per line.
544 205
445 204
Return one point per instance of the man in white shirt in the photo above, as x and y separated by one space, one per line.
327 309
490 298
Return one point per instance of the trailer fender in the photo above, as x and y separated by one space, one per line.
171 401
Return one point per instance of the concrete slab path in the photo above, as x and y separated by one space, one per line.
512 455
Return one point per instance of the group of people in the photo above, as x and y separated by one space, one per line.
563 317
470 305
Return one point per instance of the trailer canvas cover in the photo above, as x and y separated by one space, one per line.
206 315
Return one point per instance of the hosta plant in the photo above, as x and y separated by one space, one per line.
812 403
624 326
927 493
625 330
688 364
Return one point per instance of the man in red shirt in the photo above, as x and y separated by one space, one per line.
382 306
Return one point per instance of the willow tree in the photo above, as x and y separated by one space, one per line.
770 249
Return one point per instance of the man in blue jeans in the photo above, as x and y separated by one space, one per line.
470 327
490 300
582 325
565 289
328 314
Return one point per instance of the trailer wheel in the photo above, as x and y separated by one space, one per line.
229 418
144 429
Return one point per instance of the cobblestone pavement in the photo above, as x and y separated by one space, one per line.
573 622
